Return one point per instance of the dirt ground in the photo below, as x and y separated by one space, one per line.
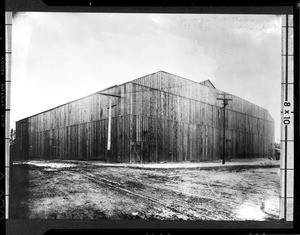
84 190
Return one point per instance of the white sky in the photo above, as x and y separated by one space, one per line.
60 57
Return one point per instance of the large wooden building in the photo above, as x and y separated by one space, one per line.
156 118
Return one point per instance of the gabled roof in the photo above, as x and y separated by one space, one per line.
208 83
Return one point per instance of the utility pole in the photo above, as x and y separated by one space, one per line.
109 125
110 106
225 103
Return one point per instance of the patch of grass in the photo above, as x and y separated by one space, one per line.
87 213
133 184
157 178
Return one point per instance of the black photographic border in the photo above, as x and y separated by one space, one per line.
12 226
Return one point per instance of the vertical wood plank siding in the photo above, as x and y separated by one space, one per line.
159 117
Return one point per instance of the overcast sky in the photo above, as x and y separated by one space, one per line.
59 57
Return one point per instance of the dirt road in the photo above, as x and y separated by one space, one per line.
84 190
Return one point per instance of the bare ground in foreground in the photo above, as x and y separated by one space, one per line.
83 190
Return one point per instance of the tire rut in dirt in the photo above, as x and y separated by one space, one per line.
184 206
120 188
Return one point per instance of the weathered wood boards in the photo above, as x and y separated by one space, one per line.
159 117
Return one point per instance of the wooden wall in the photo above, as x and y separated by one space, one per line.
78 130
189 121
159 117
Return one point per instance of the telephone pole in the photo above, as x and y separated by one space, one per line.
225 103
110 106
